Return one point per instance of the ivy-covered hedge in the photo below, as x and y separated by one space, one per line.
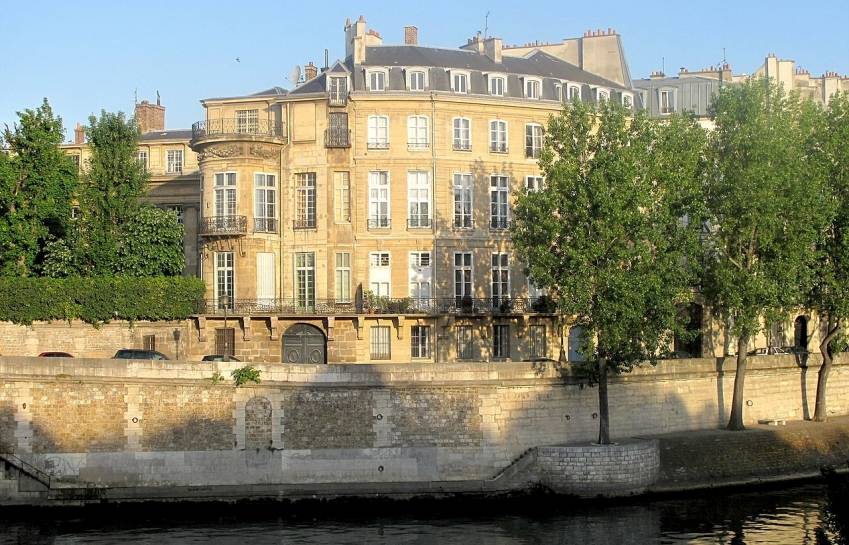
98 299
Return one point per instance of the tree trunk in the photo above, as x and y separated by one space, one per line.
603 409
820 413
735 423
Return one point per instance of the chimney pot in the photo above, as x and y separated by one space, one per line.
150 117
310 71
411 35
79 134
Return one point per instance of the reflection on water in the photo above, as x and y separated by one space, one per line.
801 515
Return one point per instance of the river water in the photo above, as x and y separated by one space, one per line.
798 515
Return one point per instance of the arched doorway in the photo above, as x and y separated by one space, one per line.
800 333
303 343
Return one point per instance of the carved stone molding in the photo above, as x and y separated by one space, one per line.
264 152
222 151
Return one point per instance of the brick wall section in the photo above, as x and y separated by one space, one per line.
444 417
68 417
315 419
258 423
628 467
187 418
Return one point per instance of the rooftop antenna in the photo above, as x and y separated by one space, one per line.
486 25
157 98
136 95
663 64
295 75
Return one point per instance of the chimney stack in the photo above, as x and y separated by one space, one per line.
310 71
150 117
79 134
411 35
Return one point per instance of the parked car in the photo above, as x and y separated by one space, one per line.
138 354
219 357
55 355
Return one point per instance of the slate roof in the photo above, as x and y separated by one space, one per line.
274 91
171 134
315 85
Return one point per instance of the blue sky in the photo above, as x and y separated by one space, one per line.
85 56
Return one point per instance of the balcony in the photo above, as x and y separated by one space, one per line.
265 225
337 138
419 222
379 223
337 101
219 128
305 223
223 225
499 224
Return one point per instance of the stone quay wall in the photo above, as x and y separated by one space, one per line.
164 424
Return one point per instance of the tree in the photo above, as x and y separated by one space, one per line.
829 295
609 235
37 185
151 244
765 209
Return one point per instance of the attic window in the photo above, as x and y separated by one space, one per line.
602 95
496 86
416 80
628 101
533 87
376 80
574 93
459 82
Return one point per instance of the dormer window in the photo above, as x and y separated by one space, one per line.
558 92
496 86
376 80
459 82
416 80
602 95
337 89
533 87
666 101
628 101
574 93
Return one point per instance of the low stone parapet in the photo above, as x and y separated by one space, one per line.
588 470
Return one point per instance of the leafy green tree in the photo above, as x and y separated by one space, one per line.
830 292
766 211
151 244
613 235
37 185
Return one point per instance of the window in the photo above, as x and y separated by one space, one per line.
602 95
558 92
378 199
420 277
536 342
416 80
420 342
378 132
498 136
380 273
305 200
224 279
459 82
343 277
496 86
225 341
465 348
532 88
498 206
174 161
178 211
376 80
462 276
533 140
500 279
141 156
534 183
574 93
501 341
225 194
337 134
380 347
76 159
265 203
627 101
246 121
418 199
304 280
462 134
338 90
463 201
667 102
417 132
342 197
149 342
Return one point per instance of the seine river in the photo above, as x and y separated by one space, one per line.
800 515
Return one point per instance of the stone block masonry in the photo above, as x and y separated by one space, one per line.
163 424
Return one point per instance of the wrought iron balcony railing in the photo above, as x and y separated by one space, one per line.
499 224
337 138
265 225
227 127
337 100
379 223
306 223
419 222
223 225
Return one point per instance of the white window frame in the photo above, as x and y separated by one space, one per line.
499 202
418 132
419 195
225 193
334 93
558 92
601 94
375 72
457 140
534 184
490 80
225 276
378 181
378 132
420 342
463 186
499 286
628 101
306 197
465 75
173 164
409 73
419 261
536 141
247 121
527 86
265 201
573 88
142 156
376 262
342 277
304 298
494 130
670 109
464 287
